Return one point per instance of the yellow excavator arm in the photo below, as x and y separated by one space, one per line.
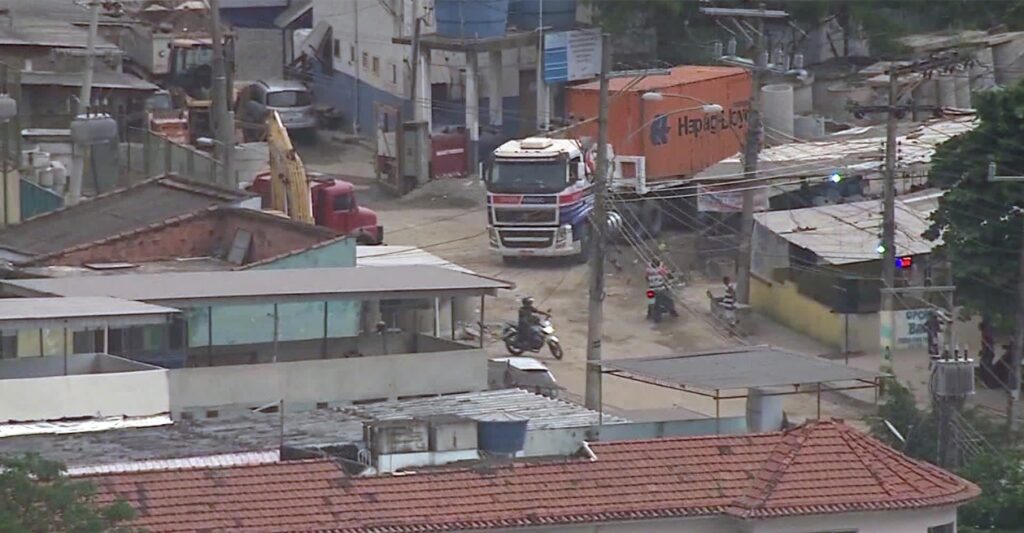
289 185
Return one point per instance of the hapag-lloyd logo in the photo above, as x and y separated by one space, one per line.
696 126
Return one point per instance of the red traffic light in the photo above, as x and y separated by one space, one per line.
906 261
650 294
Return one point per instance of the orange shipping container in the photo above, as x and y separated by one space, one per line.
676 136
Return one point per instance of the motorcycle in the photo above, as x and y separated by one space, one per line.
658 304
510 335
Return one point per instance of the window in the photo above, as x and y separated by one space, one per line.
342 203
394 73
376 65
366 60
337 48
351 54
289 99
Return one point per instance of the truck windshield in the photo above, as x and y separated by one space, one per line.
289 99
195 56
528 177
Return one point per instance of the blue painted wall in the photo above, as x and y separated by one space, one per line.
247 324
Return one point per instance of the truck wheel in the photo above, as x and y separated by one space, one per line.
653 218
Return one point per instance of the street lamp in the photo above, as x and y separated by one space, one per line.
652 96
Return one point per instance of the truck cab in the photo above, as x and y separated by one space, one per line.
539 193
334 206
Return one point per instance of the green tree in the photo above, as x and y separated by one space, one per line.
978 220
1001 505
36 496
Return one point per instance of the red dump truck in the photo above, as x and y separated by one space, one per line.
662 132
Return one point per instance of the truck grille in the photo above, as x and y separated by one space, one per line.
525 216
527 239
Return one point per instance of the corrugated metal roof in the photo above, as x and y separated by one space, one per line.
84 312
386 255
266 286
677 76
842 234
738 368
858 149
255 432
113 213
101 80
209 461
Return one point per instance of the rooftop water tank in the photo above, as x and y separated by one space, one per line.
471 19
528 15
501 433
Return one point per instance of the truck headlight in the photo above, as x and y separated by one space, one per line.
563 236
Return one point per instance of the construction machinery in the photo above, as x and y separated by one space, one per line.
322 200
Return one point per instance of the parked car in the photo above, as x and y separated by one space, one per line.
524 373
291 99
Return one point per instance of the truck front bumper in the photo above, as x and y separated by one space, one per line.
533 242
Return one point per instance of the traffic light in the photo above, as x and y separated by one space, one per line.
835 177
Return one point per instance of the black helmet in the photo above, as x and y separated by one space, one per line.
527 301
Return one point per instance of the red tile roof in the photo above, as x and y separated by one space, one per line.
819 468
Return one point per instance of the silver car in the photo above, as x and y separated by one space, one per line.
291 99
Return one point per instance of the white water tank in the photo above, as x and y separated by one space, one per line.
764 411
803 96
44 177
946 91
60 175
777 111
808 127
983 75
925 95
962 85
1008 59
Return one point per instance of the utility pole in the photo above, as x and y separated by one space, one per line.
224 125
889 215
895 112
85 97
599 226
752 145
1017 355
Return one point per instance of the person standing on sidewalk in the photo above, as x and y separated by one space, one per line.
728 302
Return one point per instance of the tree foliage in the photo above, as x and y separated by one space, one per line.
976 219
1000 474
35 496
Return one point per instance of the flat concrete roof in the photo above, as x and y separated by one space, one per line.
78 312
189 289
256 431
736 368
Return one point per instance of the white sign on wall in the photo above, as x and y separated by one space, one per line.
572 55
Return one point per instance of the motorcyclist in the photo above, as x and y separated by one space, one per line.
657 281
529 333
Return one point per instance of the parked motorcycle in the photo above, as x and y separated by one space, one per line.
517 346
658 304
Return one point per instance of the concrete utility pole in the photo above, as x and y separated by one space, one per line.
889 213
894 113
752 145
224 124
85 97
599 227
1013 397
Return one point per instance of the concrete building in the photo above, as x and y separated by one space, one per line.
82 379
259 43
302 336
816 270
821 476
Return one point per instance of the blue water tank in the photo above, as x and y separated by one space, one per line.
501 433
471 19
526 14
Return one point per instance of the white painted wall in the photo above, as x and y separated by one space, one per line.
330 380
124 388
376 29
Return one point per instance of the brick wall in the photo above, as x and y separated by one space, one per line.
209 234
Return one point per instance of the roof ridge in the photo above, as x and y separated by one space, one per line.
788 447
864 441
